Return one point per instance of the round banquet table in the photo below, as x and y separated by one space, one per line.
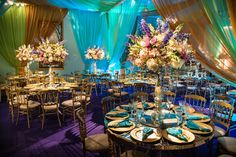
125 140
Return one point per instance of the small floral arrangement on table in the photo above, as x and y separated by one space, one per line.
51 52
95 53
159 47
26 53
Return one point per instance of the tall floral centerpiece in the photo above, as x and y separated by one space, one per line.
51 53
95 54
26 53
159 47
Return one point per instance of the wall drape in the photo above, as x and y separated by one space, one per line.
12 33
121 21
87 27
86 5
42 21
209 34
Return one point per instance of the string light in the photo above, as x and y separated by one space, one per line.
11 2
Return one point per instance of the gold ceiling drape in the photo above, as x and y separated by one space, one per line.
210 49
42 21
231 4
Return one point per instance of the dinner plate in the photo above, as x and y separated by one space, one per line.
115 118
188 109
137 134
121 129
198 131
190 137
201 120
140 105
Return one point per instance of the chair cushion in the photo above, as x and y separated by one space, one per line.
50 107
97 143
69 103
110 90
228 144
31 105
225 155
132 153
218 131
120 94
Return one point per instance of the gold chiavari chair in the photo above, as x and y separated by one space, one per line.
50 104
169 96
117 90
227 147
140 87
196 101
221 114
139 96
11 101
25 105
108 103
72 105
94 143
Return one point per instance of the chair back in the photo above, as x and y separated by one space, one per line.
139 96
196 101
169 96
81 116
221 113
108 103
140 87
22 97
50 97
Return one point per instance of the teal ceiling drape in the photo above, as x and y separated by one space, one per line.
3 7
87 5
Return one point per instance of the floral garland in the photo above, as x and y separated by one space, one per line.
95 53
159 47
49 52
26 53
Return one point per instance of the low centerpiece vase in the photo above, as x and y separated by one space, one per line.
95 67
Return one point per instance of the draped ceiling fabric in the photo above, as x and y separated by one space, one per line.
231 4
3 7
208 22
12 34
42 21
91 5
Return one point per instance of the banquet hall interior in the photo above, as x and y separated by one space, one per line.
122 78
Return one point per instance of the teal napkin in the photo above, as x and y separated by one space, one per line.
192 125
145 105
164 106
169 116
146 132
123 114
127 108
124 123
194 117
176 132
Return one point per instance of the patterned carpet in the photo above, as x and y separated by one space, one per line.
55 141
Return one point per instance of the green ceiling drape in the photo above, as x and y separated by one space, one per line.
86 5
12 33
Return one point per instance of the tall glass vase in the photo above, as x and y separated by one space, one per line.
50 74
158 90
27 69
95 67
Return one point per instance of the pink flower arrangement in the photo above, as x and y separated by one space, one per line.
159 47
95 53
50 52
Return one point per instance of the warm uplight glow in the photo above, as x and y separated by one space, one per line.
10 2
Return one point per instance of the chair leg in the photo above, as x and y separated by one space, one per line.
18 115
12 116
28 120
43 119
59 121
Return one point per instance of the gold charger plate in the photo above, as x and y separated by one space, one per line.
174 139
116 118
201 120
121 129
198 131
120 109
137 134
140 105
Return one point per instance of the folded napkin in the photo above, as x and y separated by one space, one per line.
192 125
176 132
121 124
194 117
145 105
146 132
169 116
164 106
123 114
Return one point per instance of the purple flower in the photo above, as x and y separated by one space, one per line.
182 36
145 28
167 37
